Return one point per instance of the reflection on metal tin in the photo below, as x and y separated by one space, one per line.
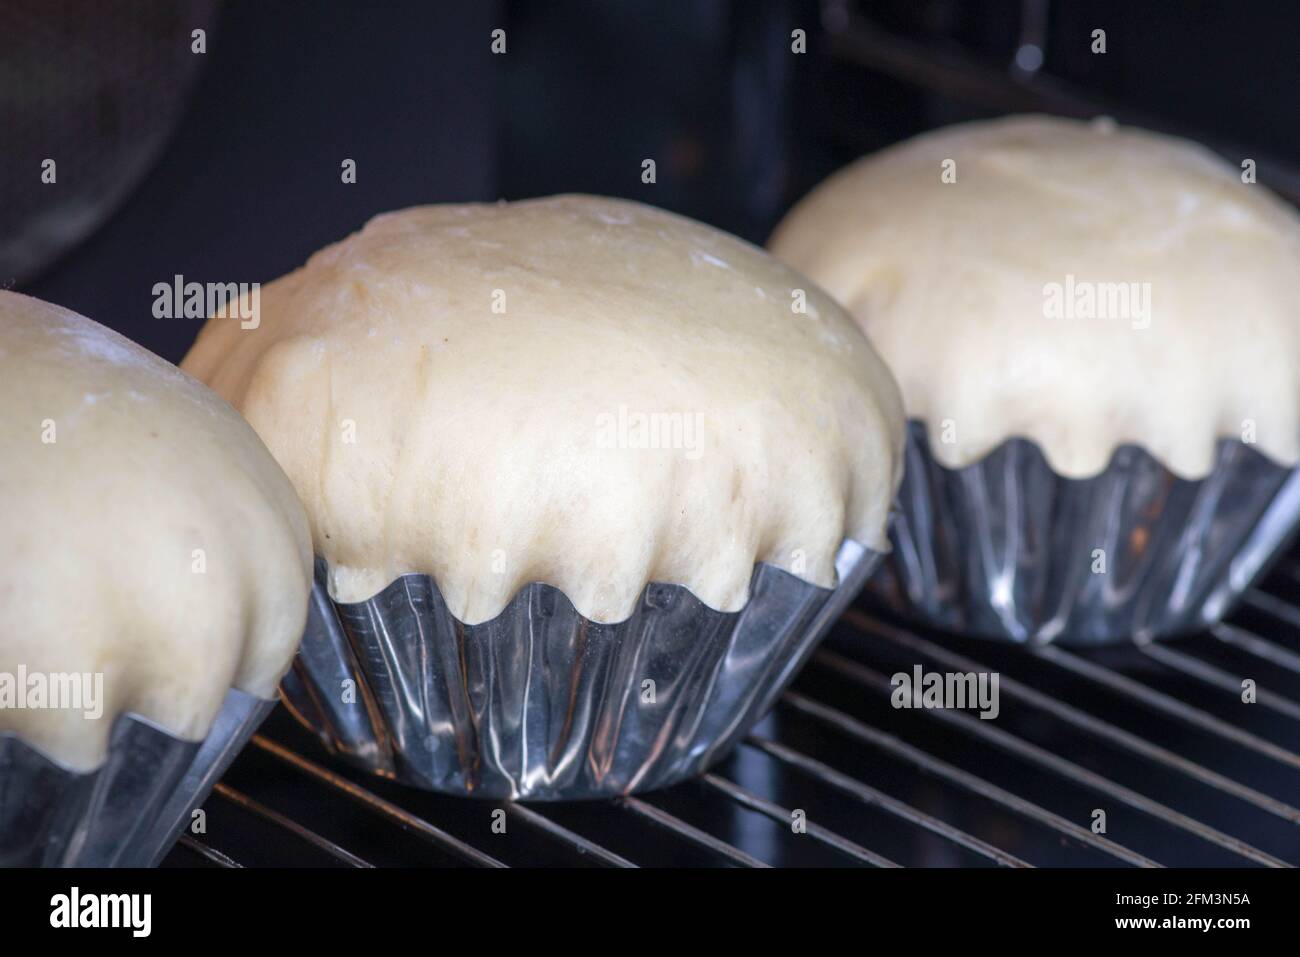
129 811
542 703
1007 548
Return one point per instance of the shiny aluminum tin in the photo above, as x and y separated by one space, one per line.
541 703
126 813
1007 548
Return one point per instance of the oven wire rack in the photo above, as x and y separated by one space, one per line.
1152 741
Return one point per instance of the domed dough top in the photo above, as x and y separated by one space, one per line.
1080 284
581 391
145 535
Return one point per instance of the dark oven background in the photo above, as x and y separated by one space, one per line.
226 167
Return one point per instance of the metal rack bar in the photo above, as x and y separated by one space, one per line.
688 831
1253 644
879 799
1146 695
1045 759
963 779
575 842
1075 717
1217 677
207 852
242 800
783 816
378 805
1271 604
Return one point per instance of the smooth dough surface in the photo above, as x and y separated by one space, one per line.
580 391
963 287
145 534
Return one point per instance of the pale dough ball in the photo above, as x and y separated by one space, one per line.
1083 285
145 535
581 391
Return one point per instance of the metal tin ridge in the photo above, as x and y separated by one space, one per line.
541 703
129 811
1007 548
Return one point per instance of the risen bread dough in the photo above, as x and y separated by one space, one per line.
99 530
458 391
955 284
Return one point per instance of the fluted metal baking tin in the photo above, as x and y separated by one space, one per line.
1005 547
541 703
129 811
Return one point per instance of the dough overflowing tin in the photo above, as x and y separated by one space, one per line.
541 703
155 568
129 811
1005 547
